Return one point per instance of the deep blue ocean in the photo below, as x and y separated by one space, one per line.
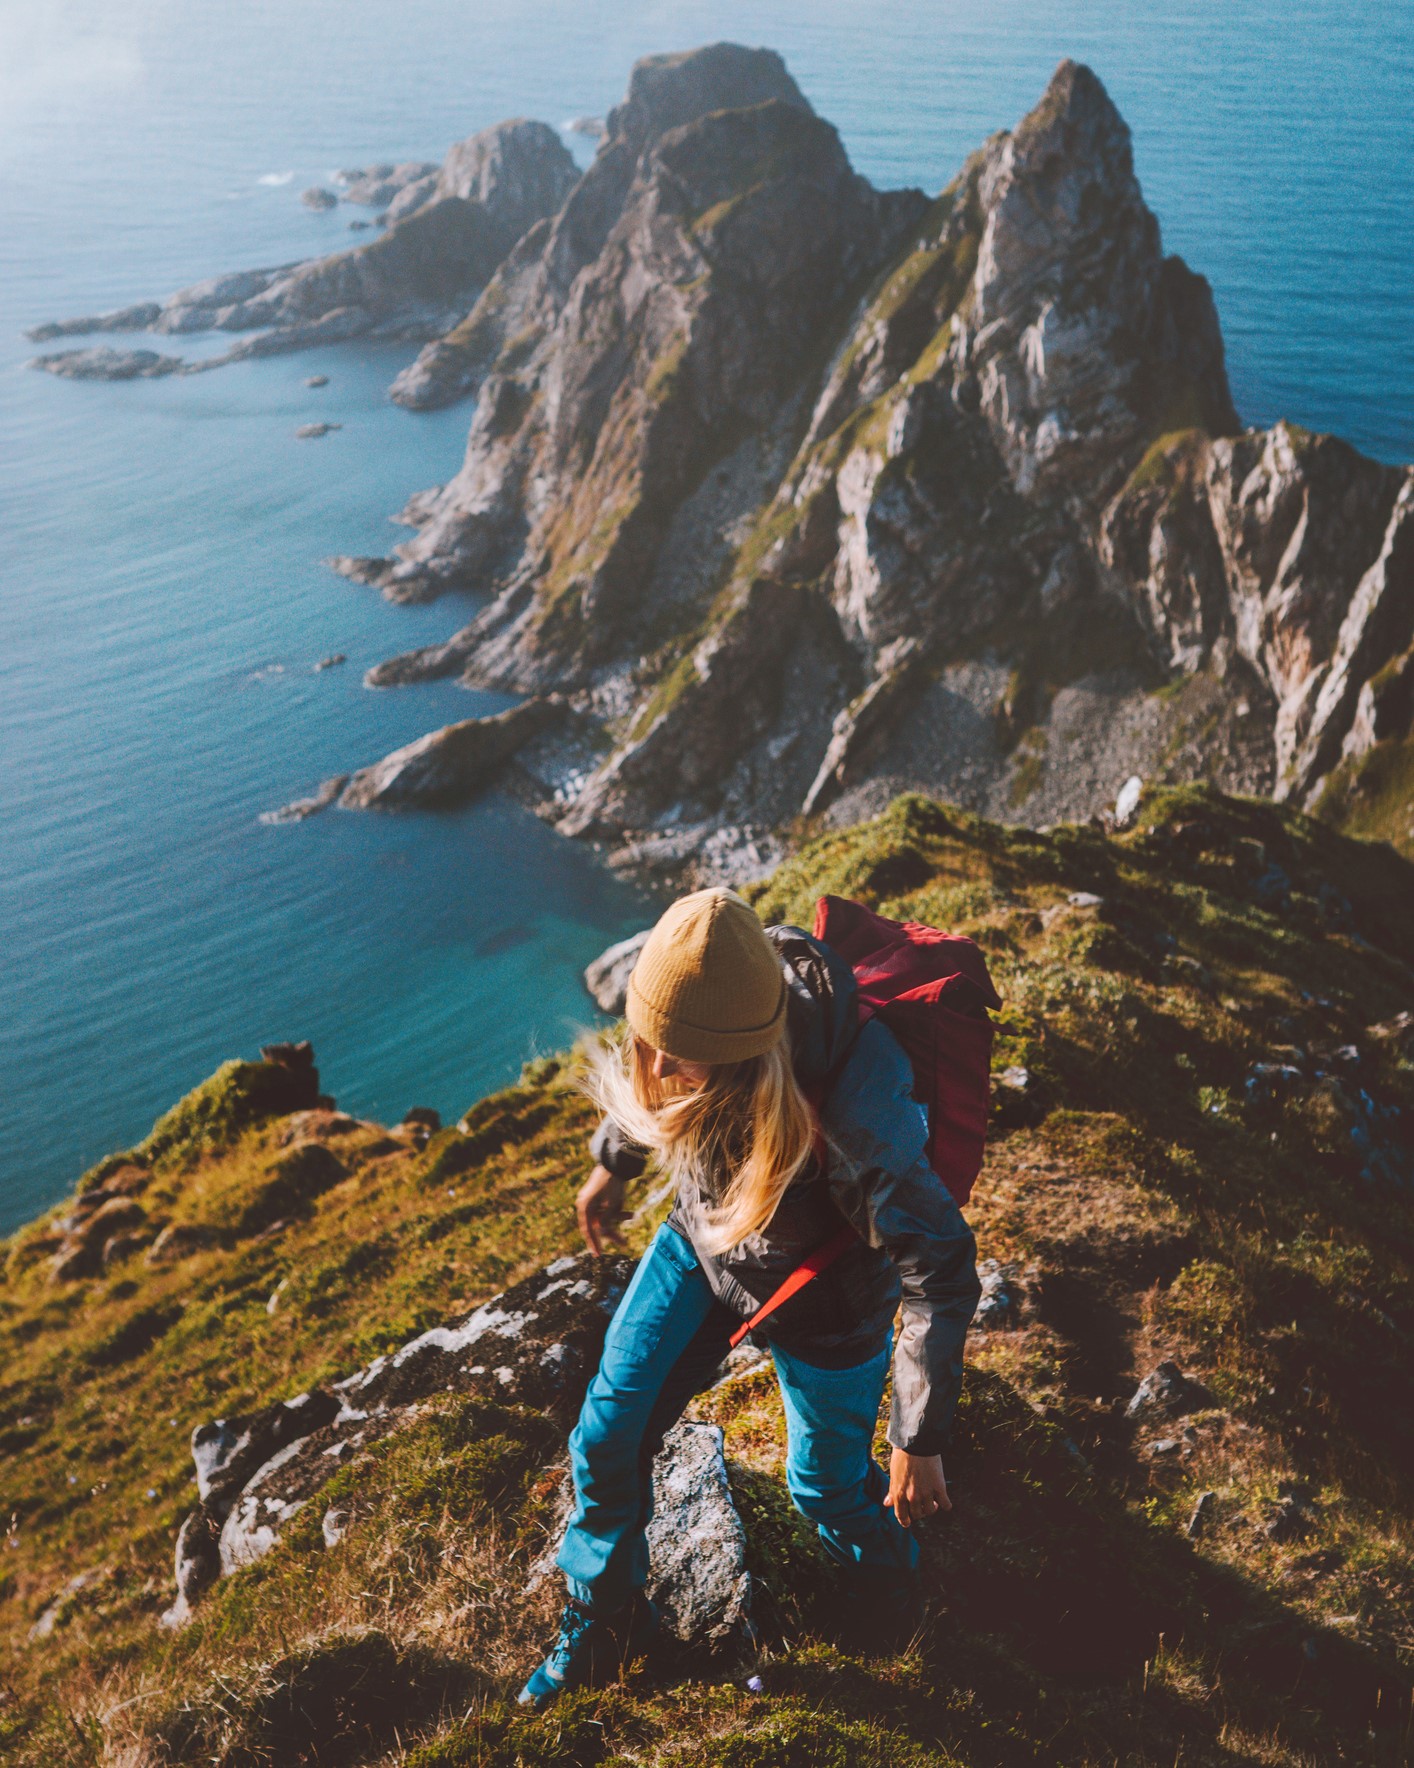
162 600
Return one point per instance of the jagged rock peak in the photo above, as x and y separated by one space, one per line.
518 171
1064 178
666 91
1076 116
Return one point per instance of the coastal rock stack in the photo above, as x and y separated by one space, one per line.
961 557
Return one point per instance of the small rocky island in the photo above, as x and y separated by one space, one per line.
447 228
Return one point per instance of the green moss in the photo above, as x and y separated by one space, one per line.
679 679
214 1114
796 1735
665 375
1372 795
711 219
1167 459
1030 766
137 1334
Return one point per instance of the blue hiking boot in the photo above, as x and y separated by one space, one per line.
591 1650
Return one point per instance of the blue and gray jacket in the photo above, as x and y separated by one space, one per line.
915 1249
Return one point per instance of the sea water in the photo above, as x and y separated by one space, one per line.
162 600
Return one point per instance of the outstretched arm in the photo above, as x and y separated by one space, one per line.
600 1203
883 1182
600 1207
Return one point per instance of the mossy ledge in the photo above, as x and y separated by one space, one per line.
1200 1152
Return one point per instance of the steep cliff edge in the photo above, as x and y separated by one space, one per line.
812 494
1181 1517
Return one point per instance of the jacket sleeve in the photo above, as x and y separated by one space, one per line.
609 1147
882 1181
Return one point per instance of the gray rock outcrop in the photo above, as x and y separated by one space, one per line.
450 765
1167 1392
377 187
807 494
536 1345
445 768
100 362
607 977
697 1572
670 305
1291 551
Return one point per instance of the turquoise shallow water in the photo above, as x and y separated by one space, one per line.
162 603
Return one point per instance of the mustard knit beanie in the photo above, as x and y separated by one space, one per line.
707 986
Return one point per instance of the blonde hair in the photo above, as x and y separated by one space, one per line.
749 1118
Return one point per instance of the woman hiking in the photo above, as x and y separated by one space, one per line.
745 1074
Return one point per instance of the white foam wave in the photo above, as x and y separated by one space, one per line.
276 178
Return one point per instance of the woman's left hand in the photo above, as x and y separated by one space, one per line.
917 1488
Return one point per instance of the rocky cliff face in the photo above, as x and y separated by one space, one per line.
805 493
1291 551
670 310
811 493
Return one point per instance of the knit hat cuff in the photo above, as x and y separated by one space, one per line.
677 1037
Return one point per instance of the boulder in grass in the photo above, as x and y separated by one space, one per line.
697 1572
1167 1392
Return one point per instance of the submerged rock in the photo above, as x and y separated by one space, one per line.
377 186
316 197
300 808
102 363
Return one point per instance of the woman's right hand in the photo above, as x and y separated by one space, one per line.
600 1207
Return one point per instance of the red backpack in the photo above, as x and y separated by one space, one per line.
932 990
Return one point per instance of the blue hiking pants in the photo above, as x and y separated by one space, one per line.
668 1335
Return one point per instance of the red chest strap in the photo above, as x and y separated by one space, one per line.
805 1272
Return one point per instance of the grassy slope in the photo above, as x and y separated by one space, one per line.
1152 1207
1372 795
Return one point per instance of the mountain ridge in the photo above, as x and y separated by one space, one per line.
803 494
1020 504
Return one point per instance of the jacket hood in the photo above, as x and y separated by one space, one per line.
822 1004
